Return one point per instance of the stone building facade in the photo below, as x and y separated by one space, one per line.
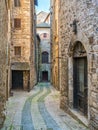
43 30
78 41
22 48
55 44
4 37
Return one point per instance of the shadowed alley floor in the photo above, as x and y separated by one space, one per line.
38 110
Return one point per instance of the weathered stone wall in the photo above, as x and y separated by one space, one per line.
55 45
23 37
33 70
85 12
26 80
3 56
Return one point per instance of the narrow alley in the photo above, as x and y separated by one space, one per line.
38 110
48 64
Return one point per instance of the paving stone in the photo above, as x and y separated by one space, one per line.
40 109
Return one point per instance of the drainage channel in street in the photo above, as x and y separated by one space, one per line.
49 121
26 121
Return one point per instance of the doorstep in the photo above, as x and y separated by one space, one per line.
79 116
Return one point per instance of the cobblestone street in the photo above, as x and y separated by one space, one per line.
38 110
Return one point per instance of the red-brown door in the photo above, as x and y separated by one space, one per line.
45 76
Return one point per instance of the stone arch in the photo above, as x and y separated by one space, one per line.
45 57
75 50
72 47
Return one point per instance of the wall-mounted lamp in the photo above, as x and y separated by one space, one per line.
74 25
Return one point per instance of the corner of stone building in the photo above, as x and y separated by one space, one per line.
64 84
93 123
3 58
2 114
64 103
64 90
33 78
94 109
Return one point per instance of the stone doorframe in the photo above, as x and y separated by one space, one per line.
70 73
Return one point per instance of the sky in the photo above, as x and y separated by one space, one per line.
43 5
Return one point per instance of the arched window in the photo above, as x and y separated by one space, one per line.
45 57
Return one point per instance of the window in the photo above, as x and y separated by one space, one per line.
17 23
45 57
17 50
45 35
17 3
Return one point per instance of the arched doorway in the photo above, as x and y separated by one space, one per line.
80 85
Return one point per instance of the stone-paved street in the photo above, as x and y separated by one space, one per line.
38 110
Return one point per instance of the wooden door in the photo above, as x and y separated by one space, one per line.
80 84
17 79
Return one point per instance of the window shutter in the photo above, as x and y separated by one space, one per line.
17 50
17 23
17 3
